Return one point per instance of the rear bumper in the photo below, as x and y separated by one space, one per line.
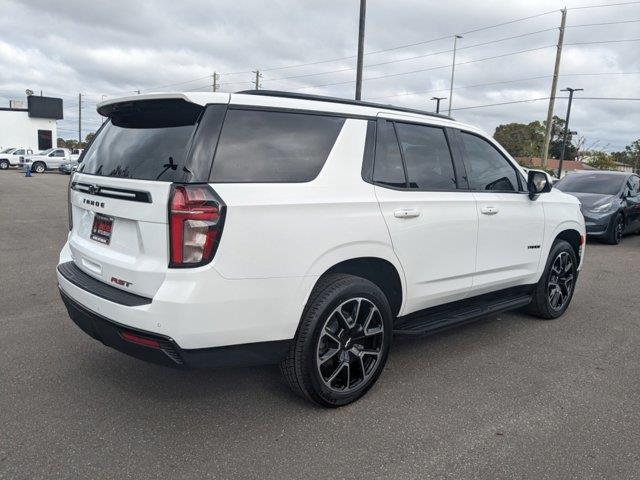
165 350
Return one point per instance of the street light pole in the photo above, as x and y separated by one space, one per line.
437 99
453 70
363 12
566 126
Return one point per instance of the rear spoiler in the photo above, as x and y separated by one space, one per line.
199 98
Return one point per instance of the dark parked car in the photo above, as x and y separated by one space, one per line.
610 202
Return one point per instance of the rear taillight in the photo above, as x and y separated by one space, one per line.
196 217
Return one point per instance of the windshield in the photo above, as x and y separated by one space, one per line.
600 183
46 152
146 140
7 150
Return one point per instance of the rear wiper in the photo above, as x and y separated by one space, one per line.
167 166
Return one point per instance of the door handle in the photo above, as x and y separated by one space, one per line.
489 210
406 213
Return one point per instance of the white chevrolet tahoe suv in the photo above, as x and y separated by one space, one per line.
215 229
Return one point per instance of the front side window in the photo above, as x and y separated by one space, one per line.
487 168
269 146
634 186
426 156
19 152
388 169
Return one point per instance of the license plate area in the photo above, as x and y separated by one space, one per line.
102 228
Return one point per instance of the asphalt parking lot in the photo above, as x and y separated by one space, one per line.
507 397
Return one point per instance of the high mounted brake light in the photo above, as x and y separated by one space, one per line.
196 218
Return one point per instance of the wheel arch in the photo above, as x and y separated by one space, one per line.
375 261
573 237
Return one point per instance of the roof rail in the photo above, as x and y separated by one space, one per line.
323 98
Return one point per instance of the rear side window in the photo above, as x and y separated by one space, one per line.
426 155
388 168
268 146
146 140
487 168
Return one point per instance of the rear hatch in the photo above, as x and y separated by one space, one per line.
120 194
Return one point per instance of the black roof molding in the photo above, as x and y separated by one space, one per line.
322 98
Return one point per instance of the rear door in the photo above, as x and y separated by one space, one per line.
119 196
511 225
632 199
433 223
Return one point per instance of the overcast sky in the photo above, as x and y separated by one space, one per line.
113 48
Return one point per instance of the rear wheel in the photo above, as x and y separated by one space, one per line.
4 164
38 167
554 290
342 342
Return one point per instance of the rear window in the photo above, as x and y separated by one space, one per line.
146 140
267 146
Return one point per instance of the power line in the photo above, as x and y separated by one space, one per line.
546 98
602 23
603 5
463 87
431 68
605 41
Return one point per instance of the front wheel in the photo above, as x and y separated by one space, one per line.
554 290
617 229
4 164
342 342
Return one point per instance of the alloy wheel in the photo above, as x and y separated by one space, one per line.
561 281
619 230
350 345
39 168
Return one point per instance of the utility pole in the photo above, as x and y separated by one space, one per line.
437 99
79 119
554 86
453 70
215 81
363 12
256 82
566 126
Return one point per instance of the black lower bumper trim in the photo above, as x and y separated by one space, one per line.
71 272
168 352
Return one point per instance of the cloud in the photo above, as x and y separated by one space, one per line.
117 47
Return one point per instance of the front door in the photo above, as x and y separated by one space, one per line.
511 225
433 224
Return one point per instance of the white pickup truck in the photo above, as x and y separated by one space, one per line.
10 157
48 160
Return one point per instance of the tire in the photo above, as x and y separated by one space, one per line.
544 304
38 167
342 342
4 164
614 237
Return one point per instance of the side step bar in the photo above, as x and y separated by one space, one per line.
435 319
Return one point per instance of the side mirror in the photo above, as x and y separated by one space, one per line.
538 182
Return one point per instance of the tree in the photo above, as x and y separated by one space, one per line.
527 140
602 161
633 155
88 138
521 140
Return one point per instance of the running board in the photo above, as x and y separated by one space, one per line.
435 319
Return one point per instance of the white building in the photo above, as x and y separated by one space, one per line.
33 125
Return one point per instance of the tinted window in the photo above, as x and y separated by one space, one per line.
634 185
388 169
260 146
426 156
487 169
601 183
147 140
